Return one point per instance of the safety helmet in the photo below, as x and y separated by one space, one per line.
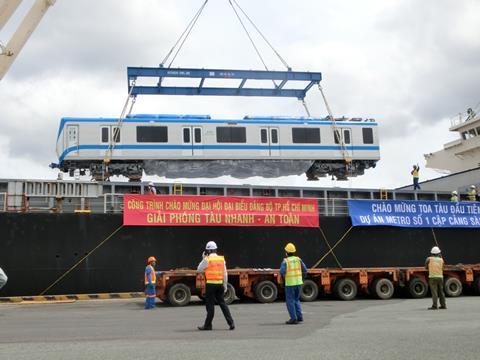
290 248
454 192
472 186
150 259
211 245
435 250
150 183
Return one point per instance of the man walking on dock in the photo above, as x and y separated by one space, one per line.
435 264
293 271
150 283
216 276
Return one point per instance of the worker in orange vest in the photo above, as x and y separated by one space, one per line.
216 277
150 282
435 264
293 270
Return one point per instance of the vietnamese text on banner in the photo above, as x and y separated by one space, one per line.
410 213
185 210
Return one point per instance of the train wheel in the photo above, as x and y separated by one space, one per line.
179 295
417 288
382 288
345 289
229 295
453 287
309 291
266 291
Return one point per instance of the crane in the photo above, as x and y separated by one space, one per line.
28 25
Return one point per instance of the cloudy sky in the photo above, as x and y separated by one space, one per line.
411 65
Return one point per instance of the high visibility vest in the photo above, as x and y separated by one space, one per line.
293 275
152 275
472 195
454 198
435 267
415 173
215 270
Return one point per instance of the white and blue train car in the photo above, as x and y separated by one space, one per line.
199 146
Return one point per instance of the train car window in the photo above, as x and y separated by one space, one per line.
198 135
105 134
116 134
263 136
274 136
346 136
306 135
186 135
231 135
152 134
336 135
367 135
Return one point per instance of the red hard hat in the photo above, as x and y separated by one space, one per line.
151 258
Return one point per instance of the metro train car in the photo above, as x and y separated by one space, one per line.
186 146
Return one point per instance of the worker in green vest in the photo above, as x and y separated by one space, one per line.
435 264
454 197
415 175
293 270
472 193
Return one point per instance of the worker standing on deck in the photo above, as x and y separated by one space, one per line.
150 282
472 193
3 278
454 197
435 265
216 276
293 270
151 190
415 174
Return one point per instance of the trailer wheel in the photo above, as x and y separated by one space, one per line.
382 288
229 295
309 291
453 287
417 288
266 291
179 295
345 289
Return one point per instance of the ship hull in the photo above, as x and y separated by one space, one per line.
36 249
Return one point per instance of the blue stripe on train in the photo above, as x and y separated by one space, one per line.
214 147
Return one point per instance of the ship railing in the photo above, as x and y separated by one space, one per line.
3 201
112 203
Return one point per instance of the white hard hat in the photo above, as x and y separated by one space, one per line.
454 192
211 245
150 183
472 186
435 250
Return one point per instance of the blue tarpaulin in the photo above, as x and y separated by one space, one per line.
409 213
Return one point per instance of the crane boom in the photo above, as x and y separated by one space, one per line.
23 32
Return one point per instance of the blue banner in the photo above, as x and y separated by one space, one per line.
409 213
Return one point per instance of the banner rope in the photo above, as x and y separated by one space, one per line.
78 263
334 246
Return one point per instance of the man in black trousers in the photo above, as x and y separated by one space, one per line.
217 280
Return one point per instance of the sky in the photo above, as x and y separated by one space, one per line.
411 65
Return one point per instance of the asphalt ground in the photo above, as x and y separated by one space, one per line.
360 329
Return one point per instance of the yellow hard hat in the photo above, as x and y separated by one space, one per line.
290 248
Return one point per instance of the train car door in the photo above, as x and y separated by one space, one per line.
192 139
274 141
269 140
72 139
347 139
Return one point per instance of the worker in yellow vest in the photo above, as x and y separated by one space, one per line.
472 193
435 264
454 197
415 175
293 270
150 283
216 277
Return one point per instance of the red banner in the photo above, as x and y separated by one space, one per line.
172 210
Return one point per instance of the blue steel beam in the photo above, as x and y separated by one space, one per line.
137 73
